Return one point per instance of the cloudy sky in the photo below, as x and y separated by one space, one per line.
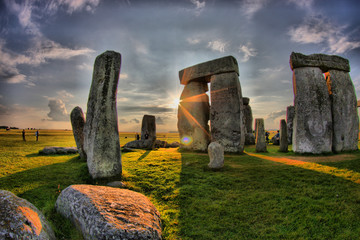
47 51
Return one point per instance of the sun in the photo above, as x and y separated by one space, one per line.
175 103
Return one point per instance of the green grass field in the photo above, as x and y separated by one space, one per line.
269 196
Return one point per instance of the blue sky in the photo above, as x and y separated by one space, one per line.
47 50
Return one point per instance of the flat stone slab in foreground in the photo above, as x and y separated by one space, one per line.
109 213
206 69
323 61
19 219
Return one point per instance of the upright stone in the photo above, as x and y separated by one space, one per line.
78 122
313 130
344 112
260 135
148 131
193 117
101 135
290 113
226 112
248 120
216 155
283 136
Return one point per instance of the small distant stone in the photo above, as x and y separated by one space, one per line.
19 219
216 155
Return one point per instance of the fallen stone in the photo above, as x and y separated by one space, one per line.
322 61
344 112
206 69
193 117
117 184
260 135
19 219
174 144
312 126
141 144
216 155
101 135
109 213
283 136
290 113
126 149
58 150
78 122
226 112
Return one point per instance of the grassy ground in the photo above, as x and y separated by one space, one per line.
315 197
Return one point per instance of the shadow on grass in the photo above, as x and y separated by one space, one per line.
41 186
144 155
252 198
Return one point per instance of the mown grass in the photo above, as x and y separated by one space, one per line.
250 198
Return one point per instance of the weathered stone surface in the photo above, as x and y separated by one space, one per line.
322 61
148 127
78 122
344 112
283 136
216 155
19 219
141 144
312 126
193 117
206 69
109 213
226 112
260 135
249 136
58 150
290 114
101 135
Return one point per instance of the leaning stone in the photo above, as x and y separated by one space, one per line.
226 112
344 112
78 122
322 61
193 117
206 69
216 155
260 135
101 135
109 213
313 129
19 219
290 114
283 136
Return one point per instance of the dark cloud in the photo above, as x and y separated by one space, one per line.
149 110
123 121
134 120
159 121
57 111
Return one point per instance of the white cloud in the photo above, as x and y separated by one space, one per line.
250 7
217 45
124 76
318 29
247 51
199 6
57 110
193 41
64 94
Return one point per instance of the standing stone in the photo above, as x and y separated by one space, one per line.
193 117
312 124
290 114
248 121
101 135
78 122
216 155
283 136
260 135
226 112
344 112
148 131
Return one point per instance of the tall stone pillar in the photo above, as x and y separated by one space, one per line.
193 117
248 119
283 136
260 135
312 126
344 112
78 122
148 131
290 113
101 135
226 115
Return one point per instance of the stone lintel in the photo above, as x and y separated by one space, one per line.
323 61
206 69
